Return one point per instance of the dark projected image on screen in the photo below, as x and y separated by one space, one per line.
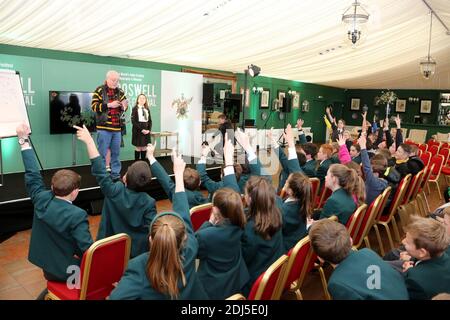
68 108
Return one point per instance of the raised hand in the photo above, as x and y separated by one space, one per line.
243 140
150 151
398 121
364 115
23 130
289 136
178 164
341 140
272 138
205 151
300 123
83 134
362 141
228 151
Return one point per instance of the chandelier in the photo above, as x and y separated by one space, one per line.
354 17
428 64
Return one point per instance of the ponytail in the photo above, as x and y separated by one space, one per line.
164 265
349 180
302 192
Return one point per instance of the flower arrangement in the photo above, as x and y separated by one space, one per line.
182 104
387 97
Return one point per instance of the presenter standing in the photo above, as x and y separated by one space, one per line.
109 102
142 126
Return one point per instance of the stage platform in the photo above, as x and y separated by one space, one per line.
16 209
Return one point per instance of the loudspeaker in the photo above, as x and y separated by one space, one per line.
287 104
232 107
208 94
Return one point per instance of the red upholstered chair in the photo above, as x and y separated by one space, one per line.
423 147
445 145
267 286
432 142
354 222
384 220
438 162
413 187
444 152
103 264
200 214
434 149
325 194
301 262
315 186
426 157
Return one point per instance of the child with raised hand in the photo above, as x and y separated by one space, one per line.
289 164
127 207
222 268
191 180
323 156
60 233
168 270
375 184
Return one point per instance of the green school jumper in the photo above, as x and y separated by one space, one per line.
60 232
124 210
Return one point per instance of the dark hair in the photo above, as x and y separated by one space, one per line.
302 189
379 164
262 207
64 182
229 203
310 149
222 116
191 179
407 148
237 171
357 147
301 158
138 176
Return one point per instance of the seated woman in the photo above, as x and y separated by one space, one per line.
168 270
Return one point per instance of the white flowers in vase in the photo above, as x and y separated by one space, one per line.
387 97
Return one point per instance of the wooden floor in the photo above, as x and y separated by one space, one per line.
21 280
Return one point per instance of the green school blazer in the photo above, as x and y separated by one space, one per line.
124 210
322 170
294 227
195 198
429 278
363 275
259 253
135 285
210 185
310 168
60 230
340 204
222 267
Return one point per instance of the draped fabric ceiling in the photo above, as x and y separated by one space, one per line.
283 37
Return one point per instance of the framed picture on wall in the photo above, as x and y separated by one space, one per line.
265 99
355 104
247 96
296 100
425 106
400 105
281 95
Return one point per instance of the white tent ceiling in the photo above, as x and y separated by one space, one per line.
283 37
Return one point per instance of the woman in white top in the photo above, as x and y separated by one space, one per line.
142 126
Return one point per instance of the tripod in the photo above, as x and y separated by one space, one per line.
283 143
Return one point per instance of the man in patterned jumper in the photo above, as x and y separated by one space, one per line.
109 102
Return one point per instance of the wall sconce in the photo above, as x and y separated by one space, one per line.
257 90
413 99
292 92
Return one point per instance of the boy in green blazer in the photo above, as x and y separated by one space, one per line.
60 232
357 275
126 207
427 240
191 180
